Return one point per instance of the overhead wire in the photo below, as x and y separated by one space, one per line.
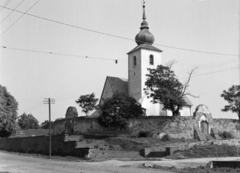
12 11
107 59
61 54
197 75
120 37
214 65
6 3
19 17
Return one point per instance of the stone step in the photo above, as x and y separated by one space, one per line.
69 138
92 144
209 137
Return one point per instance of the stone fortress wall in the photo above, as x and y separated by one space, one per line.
182 127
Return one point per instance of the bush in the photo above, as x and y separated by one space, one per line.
226 135
143 134
117 110
8 113
166 137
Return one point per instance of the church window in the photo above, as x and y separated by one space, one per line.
134 60
151 60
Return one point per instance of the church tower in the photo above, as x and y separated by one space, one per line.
140 59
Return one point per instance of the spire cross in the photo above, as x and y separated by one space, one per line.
144 15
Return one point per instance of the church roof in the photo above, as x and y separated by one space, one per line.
145 46
113 85
118 84
187 101
121 85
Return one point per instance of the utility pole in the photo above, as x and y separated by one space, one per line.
49 102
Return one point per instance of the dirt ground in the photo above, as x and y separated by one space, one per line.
18 163
15 162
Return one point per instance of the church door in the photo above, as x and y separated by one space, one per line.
204 127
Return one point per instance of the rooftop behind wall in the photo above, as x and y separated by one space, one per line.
32 132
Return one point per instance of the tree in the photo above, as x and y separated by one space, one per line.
28 121
163 87
45 124
8 113
232 96
117 110
87 103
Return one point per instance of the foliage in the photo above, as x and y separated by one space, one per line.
163 87
232 96
87 102
45 124
28 121
209 151
226 135
116 110
199 169
166 137
143 134
8 113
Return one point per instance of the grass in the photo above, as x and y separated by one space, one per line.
208 170
209 151
200 169
137 144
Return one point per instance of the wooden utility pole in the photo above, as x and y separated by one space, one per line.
49 102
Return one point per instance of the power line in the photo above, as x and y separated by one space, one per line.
107 59
6 3
12 11
211 72
120 37
210 65
19 17
61 54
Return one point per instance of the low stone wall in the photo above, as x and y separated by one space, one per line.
181 127
169 149
40 144
228 125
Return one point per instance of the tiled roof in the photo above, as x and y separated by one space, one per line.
145 46
118 84
187 101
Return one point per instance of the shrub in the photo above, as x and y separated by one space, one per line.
226 135
117 110
166 137
8 113
144 134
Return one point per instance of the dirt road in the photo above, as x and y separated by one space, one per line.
12 162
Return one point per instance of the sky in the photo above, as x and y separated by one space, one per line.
195 33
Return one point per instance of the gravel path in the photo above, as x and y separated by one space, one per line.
13 163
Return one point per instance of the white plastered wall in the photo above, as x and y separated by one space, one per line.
185 111
137 78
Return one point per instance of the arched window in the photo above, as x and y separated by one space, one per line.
151 60
134 60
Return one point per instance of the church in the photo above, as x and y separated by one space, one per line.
140 59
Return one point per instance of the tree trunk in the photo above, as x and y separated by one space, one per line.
176 112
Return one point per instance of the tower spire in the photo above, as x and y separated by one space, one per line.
144 14
144 36
144 24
